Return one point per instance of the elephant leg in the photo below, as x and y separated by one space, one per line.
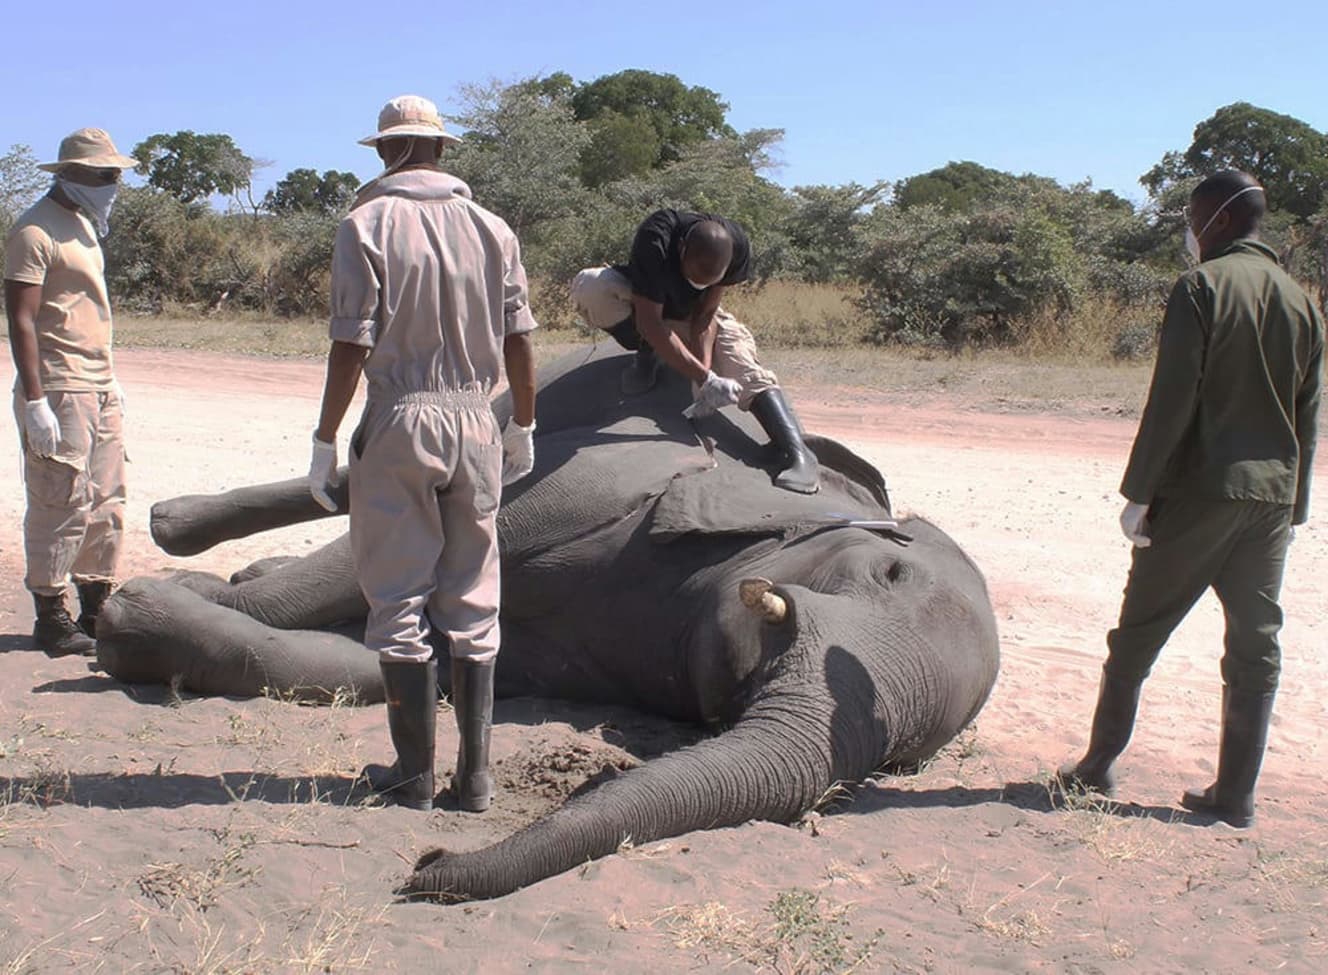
310 593
262 567
153 632
194 523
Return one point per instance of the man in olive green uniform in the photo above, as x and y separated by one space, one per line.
1219 474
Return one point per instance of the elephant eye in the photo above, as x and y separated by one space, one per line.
893 573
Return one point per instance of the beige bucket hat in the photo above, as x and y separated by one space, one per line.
92 148
408 115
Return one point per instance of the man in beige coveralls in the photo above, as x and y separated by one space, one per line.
429 301
69 407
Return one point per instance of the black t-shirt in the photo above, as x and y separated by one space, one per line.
655 268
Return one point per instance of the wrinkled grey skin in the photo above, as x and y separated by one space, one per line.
622 555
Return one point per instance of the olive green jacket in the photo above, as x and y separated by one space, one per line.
1233 408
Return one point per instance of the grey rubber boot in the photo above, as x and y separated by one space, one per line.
412 721
641 375
1113 723
1245 719
800 471
54 631
91 596
472 698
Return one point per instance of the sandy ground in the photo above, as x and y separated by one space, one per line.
142 832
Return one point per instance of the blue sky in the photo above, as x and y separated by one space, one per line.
864 90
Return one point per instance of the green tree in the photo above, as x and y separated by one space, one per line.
620 146
191 167
521 155
303 190
1288 157
21 182
955 187
628 103
825 228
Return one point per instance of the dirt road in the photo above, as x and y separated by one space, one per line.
140 832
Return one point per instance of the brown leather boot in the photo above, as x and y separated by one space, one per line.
55 633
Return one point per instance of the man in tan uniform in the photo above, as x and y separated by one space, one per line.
67 402
429 301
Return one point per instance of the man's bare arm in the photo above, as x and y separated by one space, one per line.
703 325
345 362
649 316
519 360
22 302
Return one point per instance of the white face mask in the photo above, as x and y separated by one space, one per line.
698 287
1192 239
94 201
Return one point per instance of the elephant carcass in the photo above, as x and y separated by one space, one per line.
625 556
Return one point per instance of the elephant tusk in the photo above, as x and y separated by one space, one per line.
756 595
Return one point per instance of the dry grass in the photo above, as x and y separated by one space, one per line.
804 934
1112 830
790 315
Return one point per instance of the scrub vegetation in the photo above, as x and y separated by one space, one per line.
963 256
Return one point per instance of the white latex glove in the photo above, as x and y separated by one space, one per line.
715 393
41 427
120 395
1134 524
1291 537
322 470
518 451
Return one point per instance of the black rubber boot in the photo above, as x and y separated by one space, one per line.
1113 722
472 699
91 595
412 720
800 471
1245 718
641 375
55 633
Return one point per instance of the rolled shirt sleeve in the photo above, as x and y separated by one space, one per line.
517 316
355 289
1174 394
27 255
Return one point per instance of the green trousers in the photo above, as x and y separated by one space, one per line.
1236 547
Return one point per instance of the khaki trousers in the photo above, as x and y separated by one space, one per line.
602 297
425 482
74 525
1236 547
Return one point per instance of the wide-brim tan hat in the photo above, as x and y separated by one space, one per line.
89 147
408 115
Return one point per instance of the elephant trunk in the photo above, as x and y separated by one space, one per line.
195 523
773 765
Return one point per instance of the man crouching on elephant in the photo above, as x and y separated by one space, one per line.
665 302
427 289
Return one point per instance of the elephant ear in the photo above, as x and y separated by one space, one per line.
735 499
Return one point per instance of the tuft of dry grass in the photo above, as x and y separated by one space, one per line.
803 935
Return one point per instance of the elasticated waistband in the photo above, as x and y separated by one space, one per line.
471 397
